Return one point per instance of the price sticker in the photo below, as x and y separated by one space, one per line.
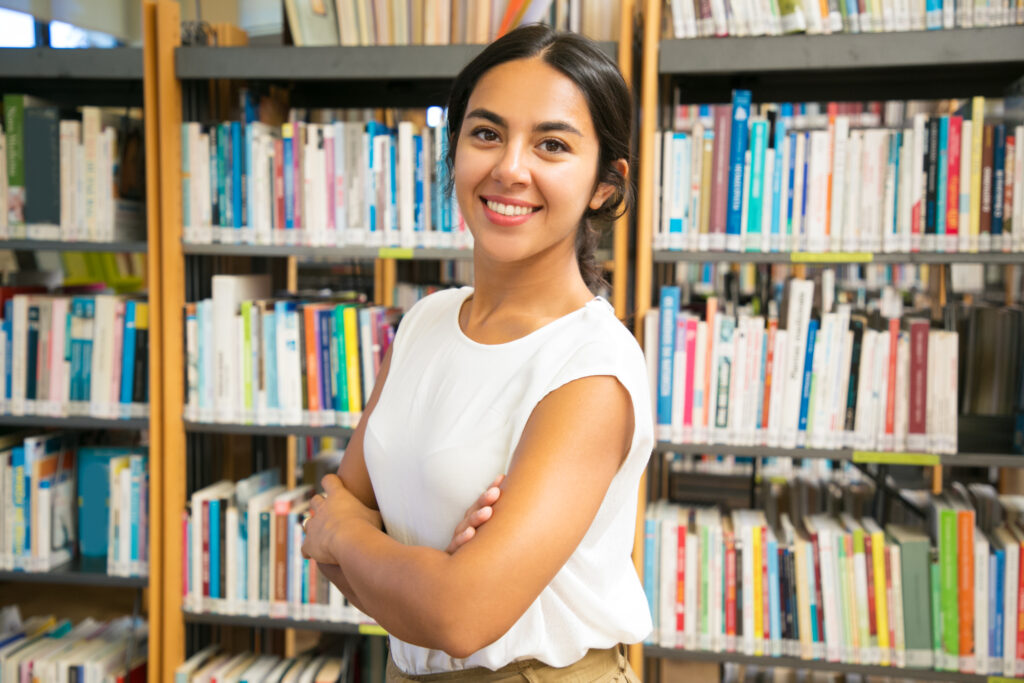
395 253
371 630
832 257
887 458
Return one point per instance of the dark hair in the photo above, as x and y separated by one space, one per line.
608 100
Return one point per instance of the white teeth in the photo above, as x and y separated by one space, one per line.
508 209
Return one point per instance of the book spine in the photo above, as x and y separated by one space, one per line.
738 147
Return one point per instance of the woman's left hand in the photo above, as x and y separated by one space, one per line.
330 515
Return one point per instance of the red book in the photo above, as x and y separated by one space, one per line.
186 549
309 319
766 605
917 419
205 531
890 399
872 598
691 359
1020 611
278 205
1012 171
680 578
730 580
773 326
720 176
953 183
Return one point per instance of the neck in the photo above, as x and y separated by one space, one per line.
547 285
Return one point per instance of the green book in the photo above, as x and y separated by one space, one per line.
14 129
949 586
936 595
917 599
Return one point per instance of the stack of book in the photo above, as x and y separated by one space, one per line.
336 183
255 360
843 587
442 22
60 502
243 554
818 376
783 177
51 649
74 355
212 664
690 19
75 180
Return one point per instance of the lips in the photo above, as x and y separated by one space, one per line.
521 211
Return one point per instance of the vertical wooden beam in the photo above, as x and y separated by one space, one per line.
620 236
644 244
169 330
388 279
150 104
378 281
291 443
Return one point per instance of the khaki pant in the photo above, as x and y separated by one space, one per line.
604 666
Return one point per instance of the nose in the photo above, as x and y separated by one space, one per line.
512 166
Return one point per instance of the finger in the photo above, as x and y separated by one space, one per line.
316 502
330 483
460 539
480 516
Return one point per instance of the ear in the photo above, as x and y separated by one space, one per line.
605 190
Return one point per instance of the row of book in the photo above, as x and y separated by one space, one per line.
337 183
60 502
442 22
706 18
74 355
826 376
211 664
257 360
842 587
53 650
243 553
78 179
771 178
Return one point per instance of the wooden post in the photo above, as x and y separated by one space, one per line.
620 236
153 274
166 389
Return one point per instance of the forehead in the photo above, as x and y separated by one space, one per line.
530 91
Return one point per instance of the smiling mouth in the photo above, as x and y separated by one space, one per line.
509 210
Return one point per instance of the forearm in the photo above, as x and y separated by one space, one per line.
411 591
336 576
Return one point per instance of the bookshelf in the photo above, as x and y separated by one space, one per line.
368 76
75 76
799 68
63 245
73 575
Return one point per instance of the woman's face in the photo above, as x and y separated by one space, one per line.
526 161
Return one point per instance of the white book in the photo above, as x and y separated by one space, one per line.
917 183
981 589
678 379
904 208
775 408
768 196
745 537
228 292
1012 548
693 565
229 604
1018 180
716 588
830 592
889 227
801 298
70 132
102 355
755 383
310 230
780 242
700 398
879 394
406 186
896 605
679 191
4 228
737 379
194 600
258 503
840 138
668 551
811 435
19 352
663 201
741 244
696 179
902 412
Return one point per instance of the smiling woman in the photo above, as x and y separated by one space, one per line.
524 387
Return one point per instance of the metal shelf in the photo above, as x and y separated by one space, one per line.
908 65
813 664
269 622
75 77
266 430
321 253
62 245
838 454
373 63
74 422
835 258
72 575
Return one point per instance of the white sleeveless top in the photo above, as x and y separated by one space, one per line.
447 423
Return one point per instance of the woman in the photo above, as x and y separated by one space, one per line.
527 375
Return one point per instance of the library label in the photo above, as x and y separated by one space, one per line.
887 458
832 257
371 630
395 253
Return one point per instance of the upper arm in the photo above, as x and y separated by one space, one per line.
572 446
353 472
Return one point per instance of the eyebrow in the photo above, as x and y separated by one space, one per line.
543 127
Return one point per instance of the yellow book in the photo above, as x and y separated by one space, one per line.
881 603
757 555
977 133
355 395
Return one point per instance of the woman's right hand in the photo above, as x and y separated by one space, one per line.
477 514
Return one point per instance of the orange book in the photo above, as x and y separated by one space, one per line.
833 111
512 13
965 583
309 322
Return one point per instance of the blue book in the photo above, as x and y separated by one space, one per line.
214 526
242 582
443 200
93 465
270 357
20 487
998 177
679 185
773 589
289 177
816 635
338 360
761 378
392 190
805 393
779 144
895 144
650 569
8 346
32 352
305 581
137 467
224 174
755 198
790 191
806 194
942 177
128 354
83 308
328 379
738 148
247 207
237 179
668 309
420 169
997 595
933 14
375 165
215 206
264 540
289 554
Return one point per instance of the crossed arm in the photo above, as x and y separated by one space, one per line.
568 454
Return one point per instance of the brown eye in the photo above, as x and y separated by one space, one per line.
485 134
553 146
